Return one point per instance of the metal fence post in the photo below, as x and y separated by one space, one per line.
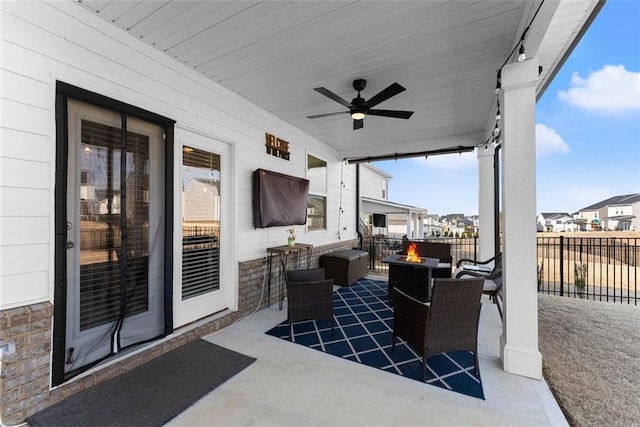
475 248
561 265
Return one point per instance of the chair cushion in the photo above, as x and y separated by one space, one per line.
487 285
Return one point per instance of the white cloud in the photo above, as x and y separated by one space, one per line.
466 160
612 90
548 141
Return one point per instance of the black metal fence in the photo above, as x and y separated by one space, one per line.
596 268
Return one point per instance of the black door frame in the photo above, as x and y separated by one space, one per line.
64 92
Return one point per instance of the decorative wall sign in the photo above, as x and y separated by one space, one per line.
277 147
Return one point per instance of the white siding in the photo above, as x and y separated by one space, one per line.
45 42
372 182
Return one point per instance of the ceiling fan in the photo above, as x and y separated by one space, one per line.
359 108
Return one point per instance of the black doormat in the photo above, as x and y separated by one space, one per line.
151 394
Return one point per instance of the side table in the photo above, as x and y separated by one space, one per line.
283 252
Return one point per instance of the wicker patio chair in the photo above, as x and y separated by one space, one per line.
492 279
448 323
309 297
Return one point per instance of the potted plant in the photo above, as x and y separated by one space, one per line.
291 240
540 275
580 274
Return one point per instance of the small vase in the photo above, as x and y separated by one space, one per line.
291 242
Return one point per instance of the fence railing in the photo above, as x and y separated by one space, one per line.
596 268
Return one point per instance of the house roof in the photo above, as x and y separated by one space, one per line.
555 215
626 199
387 207
445 53
450 217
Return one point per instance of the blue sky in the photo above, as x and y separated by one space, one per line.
587 130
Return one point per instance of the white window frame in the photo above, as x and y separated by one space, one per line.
315 192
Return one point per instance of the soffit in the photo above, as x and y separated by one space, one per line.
273 53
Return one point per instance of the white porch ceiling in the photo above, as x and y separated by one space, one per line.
445 53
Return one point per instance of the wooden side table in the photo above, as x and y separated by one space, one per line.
283 252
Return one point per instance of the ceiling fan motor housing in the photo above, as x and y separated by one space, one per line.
359 84
357 105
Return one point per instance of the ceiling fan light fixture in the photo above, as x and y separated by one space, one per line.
358 115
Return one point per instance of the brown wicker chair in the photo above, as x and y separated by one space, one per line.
448 323
309 297
492 279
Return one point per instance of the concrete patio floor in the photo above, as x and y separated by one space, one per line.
290 384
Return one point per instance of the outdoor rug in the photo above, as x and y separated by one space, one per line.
151 394
363 333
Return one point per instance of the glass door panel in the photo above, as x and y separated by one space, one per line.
114 280
205 275
200 222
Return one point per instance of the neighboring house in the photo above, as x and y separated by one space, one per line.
475 220
400 220
381 216
374 182
456 223
615 213
556 222
432 226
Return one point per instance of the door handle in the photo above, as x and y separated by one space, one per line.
70 245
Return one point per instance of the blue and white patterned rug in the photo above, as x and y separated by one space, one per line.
363 333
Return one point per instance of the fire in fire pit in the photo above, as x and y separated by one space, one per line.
412 253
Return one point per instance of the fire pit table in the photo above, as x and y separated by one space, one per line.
411 277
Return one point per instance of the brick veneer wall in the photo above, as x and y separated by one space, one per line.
25 382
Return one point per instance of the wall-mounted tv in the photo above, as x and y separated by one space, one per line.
279 199
379 220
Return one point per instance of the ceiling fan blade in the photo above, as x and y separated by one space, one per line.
317 116
358 124
391 113
392 90
326 92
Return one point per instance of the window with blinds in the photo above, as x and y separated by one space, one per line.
114 219
200 222
317 198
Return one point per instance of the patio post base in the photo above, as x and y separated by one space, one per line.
521 361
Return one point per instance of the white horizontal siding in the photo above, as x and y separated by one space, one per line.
25 202
24 288
45 42
23 258
24 230
24 173
25 145
371 183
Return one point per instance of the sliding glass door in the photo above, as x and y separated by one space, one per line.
115 234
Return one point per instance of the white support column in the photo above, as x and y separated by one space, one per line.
486 202
420 226
409 219
519 340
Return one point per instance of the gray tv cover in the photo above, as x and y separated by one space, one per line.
279 199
